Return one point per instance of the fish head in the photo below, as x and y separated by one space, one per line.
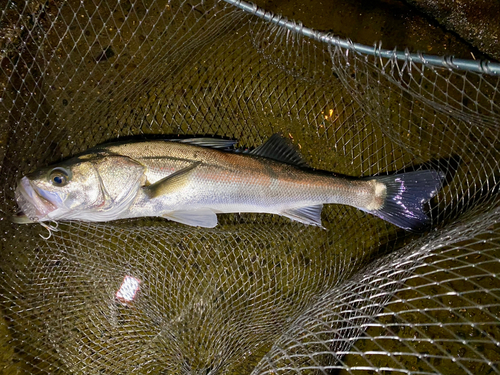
86 188
51 192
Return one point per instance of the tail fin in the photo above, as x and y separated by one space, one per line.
405 196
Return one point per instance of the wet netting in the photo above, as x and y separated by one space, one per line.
259 293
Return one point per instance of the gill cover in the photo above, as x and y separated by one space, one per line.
119 179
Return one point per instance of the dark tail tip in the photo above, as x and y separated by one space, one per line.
405 197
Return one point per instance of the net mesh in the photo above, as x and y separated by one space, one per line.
257 294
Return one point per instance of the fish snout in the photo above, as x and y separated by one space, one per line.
32 206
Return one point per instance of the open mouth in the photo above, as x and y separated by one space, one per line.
32 206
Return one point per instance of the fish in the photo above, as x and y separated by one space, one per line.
191 181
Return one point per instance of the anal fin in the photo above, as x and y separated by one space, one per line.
310 215
204 218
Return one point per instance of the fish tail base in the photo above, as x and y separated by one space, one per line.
404 197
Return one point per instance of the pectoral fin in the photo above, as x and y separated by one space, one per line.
171 183
197 218
310 215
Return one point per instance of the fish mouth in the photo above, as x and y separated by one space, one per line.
32 206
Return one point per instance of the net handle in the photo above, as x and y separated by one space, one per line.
479 66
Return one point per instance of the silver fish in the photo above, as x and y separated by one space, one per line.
192 181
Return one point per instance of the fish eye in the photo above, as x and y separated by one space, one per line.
59 177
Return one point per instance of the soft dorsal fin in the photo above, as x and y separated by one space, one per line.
279 149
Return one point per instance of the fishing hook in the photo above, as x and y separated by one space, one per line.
50 228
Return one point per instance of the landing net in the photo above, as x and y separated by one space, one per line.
258 294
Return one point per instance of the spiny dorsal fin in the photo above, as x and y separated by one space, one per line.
208 142
279 149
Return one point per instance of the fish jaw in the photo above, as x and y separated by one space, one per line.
33 206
